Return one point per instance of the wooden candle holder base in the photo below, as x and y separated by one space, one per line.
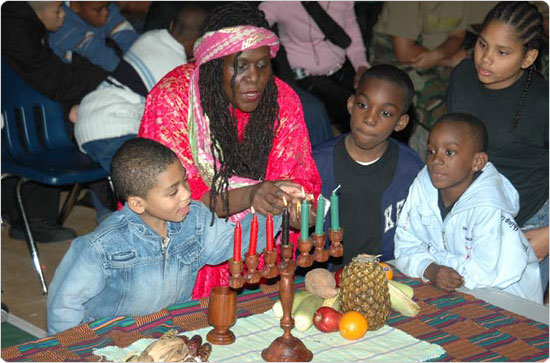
287 349
304 259
252 276
269 270
335 236
236 268
320 254
220 337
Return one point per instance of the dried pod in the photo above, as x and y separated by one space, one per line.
168 348
194 344
197 338
185 338
204 352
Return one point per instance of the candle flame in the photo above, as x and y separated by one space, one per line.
338 187
284 201
303 193
252 209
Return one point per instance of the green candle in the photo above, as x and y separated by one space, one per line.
304 231
320 215
334 213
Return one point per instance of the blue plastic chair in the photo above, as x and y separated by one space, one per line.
30 117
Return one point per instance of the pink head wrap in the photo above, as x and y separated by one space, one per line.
214 45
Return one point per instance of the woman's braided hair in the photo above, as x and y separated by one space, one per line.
249 157
527 21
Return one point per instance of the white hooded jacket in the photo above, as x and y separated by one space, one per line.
479 237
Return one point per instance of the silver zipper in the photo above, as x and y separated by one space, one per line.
165 242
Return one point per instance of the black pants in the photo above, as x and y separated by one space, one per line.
40 201
334 91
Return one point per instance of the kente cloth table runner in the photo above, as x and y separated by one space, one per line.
467 328
256 332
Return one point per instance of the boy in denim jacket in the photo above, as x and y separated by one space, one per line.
147 255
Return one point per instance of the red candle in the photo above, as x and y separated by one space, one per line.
269 231
237 242
253 234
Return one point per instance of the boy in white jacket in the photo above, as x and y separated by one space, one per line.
457 226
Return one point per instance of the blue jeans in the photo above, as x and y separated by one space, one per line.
102 151
539 220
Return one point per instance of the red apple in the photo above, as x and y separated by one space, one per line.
326 319
337 276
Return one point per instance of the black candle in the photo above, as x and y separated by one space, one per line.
285 227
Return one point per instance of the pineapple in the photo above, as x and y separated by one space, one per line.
364 288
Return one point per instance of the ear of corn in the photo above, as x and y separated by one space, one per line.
406 289
333 302
402 303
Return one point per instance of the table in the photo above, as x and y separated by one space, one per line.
468 328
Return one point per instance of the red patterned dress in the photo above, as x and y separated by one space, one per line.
165 120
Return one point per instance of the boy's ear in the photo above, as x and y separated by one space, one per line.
529 58
136 204
480 160
351 101
402 122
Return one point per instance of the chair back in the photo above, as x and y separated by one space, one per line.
32 122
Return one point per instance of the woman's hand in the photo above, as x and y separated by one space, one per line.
443 277
267 197
296 217
539 240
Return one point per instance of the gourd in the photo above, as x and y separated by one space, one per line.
321 282
303 317
298 298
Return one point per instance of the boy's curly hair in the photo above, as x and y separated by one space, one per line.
136 166
394 75
476 128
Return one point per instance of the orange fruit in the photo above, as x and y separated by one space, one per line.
353 325
387 269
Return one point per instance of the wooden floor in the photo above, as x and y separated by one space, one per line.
21 290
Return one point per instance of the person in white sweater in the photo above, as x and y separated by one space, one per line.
457 226
111 114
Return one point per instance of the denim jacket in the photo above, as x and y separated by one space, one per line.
124 267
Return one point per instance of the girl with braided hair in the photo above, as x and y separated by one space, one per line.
501 87
238 130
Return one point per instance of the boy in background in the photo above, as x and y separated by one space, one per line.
374 170
147 255
457 226
88 26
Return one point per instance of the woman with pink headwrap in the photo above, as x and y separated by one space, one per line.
238 130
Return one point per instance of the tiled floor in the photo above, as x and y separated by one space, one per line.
21 289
